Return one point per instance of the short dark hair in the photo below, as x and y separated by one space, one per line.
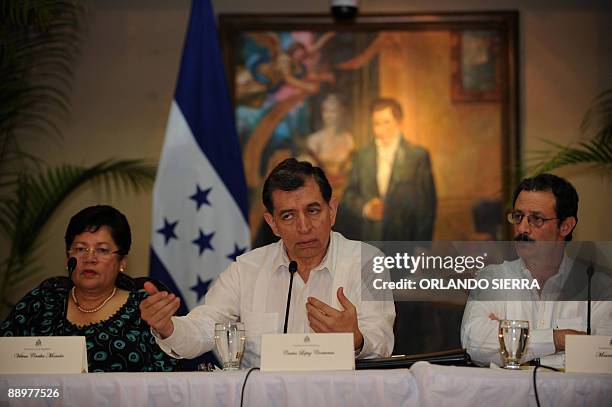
383 103
566 197
290 175
93 218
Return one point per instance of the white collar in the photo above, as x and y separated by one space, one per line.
281 260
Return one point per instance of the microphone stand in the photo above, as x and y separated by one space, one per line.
589 271
72 263
292 269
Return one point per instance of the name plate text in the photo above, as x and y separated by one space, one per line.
588 353
43 354
307 352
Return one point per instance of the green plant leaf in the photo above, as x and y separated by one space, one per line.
596 151
597 121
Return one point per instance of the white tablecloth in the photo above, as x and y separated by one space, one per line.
424 384
464 386
359 388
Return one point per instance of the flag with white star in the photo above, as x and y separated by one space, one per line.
200 199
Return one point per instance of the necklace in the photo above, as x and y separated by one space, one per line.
98 308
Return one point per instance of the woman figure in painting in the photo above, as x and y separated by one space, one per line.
331 146
97 300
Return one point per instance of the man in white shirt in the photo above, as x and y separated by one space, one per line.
544 216
326 293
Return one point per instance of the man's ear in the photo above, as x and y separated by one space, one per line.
567 226
270 221
333 209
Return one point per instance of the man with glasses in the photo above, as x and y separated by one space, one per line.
544 215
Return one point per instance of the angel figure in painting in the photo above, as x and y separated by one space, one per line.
271 70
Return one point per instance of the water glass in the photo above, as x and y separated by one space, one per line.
513 336
229 340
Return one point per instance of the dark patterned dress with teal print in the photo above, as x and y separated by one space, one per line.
122 343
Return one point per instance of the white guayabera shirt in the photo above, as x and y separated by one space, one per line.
479 333
254 290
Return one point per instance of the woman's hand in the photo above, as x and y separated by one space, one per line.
158 308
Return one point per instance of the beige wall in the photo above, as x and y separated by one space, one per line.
125 80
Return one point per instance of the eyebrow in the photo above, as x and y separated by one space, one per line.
310 205
86 243
530 212
284 211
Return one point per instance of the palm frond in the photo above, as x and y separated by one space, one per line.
596 152
6 214
40 40
22 14
597 121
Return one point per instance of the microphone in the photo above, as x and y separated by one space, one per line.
292 269
72 263
589 272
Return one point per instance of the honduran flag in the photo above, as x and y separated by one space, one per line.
200 197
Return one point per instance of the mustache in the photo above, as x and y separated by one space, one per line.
523 238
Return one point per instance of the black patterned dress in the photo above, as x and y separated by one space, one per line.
122 343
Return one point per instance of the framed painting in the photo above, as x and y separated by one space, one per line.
305 86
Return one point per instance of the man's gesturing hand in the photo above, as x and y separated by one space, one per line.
324 318
157 309
559 337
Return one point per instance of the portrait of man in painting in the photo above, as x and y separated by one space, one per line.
407 124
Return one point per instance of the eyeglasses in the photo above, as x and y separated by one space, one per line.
99 252
534 220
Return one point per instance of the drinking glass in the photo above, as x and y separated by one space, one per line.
229 339
513 336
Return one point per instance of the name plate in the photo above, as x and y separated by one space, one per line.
588 354
307 352
43 354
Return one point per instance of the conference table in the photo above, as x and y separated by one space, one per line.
423 384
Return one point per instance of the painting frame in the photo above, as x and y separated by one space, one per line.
232 28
